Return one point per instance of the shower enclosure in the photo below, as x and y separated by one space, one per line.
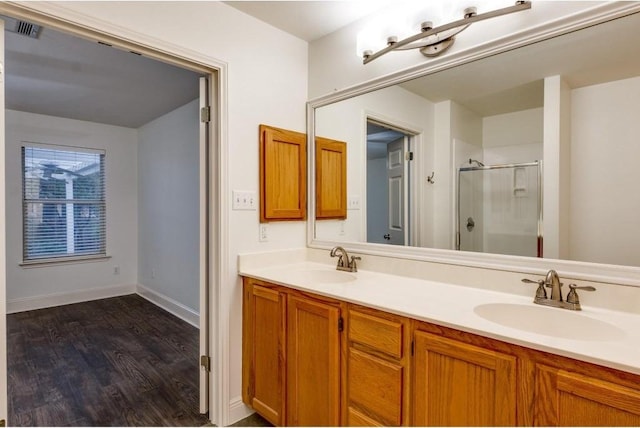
499 208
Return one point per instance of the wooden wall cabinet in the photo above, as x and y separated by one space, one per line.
331 179
388 370
283 174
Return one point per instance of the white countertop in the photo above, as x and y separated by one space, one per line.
454 306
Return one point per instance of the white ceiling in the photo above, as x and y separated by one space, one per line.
65 76
309 20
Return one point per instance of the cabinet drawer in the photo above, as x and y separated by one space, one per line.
383 335
376 384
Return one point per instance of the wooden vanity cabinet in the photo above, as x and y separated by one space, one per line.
291 371
564 398
465 379
264 352
313 362
300 368
377 368
458 384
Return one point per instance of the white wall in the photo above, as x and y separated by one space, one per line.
267 83
168 205
458 136
604 167
513 129
36 286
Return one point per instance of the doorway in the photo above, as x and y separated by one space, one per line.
389 157
208 247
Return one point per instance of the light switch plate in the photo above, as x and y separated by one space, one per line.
244 200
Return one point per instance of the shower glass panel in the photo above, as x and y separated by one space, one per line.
500 209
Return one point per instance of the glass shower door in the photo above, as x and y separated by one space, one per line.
499 209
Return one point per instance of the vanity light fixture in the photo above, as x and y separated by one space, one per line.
439 39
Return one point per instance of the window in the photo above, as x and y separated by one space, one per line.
64 210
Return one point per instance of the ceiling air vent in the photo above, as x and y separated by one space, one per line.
26 29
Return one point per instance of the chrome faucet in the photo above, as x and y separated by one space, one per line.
344 263
552 280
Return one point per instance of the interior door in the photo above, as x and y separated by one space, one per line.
396 171
3 246
205 361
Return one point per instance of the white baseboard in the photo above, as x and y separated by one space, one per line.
238 410
170 305
66 298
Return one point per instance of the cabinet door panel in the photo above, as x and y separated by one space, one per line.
460 384
313 363
283 174
331 179
358 419
570 399
266 348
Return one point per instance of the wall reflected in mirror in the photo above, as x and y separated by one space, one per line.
570 103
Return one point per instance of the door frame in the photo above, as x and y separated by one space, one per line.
60 18
415 171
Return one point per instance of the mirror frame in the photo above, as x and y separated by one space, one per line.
605 273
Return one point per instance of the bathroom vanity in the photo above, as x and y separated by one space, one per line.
327 348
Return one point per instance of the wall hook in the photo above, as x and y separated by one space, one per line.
430 178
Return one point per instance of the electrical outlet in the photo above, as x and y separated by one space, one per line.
244 200
263 235
116 270
341 231
353 203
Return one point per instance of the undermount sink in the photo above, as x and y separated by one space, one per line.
551 322
323 276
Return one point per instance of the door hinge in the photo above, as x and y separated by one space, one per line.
205 114
340 324
409 156
205 362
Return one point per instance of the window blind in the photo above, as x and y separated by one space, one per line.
64 209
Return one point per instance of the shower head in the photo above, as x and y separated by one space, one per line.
478 163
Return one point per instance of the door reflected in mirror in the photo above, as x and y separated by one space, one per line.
388 175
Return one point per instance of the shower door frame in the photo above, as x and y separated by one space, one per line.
537 163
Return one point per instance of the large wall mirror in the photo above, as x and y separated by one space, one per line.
524 157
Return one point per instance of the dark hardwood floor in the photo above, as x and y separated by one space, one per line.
254 420
113 362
